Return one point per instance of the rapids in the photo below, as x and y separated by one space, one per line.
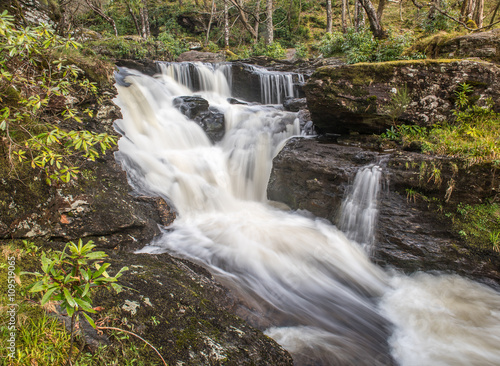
301 279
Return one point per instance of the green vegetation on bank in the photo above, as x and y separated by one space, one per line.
43 97
41 338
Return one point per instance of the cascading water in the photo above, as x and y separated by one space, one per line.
313 290
275 87
358 212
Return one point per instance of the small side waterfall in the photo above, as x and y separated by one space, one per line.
275 87
358 212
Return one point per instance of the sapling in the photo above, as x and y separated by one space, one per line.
70 278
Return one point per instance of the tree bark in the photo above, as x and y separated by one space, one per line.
146 29
478 13
269 22
494 13
210 22
134 18
97 9
257 21
359 16
344 16
371 13
380 9
329 19
226 26
244 19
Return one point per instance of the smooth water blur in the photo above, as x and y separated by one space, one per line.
302 280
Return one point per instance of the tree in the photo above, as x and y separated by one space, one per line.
329 16
269 22
96 6
375 26
344 15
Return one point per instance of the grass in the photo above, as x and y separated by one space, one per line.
41 339
478 224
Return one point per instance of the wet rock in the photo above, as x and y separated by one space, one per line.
209 118
295 104
369 98
184 312
198 56
411 235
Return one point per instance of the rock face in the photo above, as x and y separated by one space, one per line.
410 236
209 118
198 56
369 98
484 45
178 306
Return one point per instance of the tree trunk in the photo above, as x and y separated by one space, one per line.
359 16
210 22
146 29
101 13
244 19
226 26
257 21
494 13
269 22
375 26
344 16
134 18
478 13
380 9
329 15
467 10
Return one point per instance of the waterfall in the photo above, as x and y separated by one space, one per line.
304 282
275 87
358 212
200 76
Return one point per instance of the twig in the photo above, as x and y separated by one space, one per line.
135 335
462 23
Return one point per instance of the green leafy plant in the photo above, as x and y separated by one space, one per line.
38 92
400 100
70 278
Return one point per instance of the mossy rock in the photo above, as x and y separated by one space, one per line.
178 307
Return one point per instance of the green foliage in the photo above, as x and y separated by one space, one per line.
400 99
172 44
33 84
70 277
474 135
434 21
301 51
478 224
274 50
363 47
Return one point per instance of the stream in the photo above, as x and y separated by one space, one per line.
304 282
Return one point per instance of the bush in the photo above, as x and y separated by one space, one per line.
274 50
38 91
172 44
363 47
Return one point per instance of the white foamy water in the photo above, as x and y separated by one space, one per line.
358 212
313 289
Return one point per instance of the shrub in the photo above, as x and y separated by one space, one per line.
35 83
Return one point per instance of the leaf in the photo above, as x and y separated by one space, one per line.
69 298
84 305
86 290
118 288
48 295
38 286
100 269
89 319
96 255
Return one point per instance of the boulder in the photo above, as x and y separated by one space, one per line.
188 316
369 98
210 119
198 56
483 45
